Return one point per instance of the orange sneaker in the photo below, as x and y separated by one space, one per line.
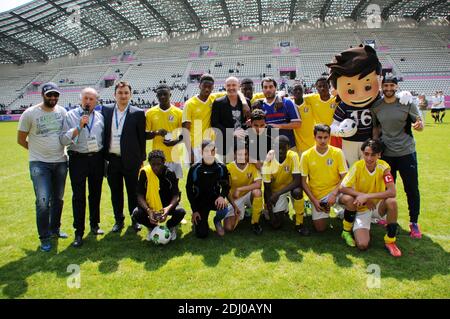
393 249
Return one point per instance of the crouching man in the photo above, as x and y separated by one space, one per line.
158 195
368 190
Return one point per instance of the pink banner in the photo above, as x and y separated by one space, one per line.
288 69
246 38
383 49
211 53
12 117
193 55
295 50
276 51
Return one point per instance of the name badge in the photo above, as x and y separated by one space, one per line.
115 142
92 144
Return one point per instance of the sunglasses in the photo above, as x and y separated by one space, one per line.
52 94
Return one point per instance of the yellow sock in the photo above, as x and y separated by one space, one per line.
257 207
347 225
389 240
299 208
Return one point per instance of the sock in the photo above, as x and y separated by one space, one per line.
220 214
391 230
442 116
257 207
299 208
349 218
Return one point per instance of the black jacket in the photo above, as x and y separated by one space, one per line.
132 141
222 118
205 183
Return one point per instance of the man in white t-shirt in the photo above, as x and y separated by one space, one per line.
438 107
40 130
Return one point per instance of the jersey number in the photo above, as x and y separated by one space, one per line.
366 117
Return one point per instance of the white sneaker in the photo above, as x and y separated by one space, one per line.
184 221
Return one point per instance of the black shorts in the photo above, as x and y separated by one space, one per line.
441 109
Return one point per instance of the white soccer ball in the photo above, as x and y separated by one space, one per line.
160 235
347 128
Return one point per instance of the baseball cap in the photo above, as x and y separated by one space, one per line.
390 79
50 87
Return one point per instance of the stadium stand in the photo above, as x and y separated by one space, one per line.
146 42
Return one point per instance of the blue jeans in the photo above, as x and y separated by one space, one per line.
49 180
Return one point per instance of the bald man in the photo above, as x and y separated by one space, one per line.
84 137
228 117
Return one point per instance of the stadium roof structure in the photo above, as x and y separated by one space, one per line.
46 29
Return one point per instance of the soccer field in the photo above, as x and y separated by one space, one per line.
277 264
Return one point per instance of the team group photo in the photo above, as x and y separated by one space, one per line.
228 149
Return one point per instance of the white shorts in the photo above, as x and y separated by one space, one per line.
176 168
364 219
282 204
241 203
320 215
352 151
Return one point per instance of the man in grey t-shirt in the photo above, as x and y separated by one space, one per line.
395 122
40 130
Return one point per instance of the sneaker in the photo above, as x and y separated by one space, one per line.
257 229
414 231
393 249
219 228
46 246
348 238
173 233
183 221
59 234
302 230
382 222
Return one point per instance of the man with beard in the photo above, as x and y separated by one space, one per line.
284 117
396 121
43 124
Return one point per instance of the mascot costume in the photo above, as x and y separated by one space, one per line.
356 75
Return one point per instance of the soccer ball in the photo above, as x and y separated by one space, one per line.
160 235
347 128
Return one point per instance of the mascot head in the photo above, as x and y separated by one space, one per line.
356 75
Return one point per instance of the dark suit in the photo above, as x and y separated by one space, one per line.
126 166
222 119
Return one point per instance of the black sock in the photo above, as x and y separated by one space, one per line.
391 230
442 116
349 216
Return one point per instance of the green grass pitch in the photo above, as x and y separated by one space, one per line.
277 264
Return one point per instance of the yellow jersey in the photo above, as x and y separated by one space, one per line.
323 170
323 110
363 181
170 120
244 177
256 97
304 136
280 174
198 113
